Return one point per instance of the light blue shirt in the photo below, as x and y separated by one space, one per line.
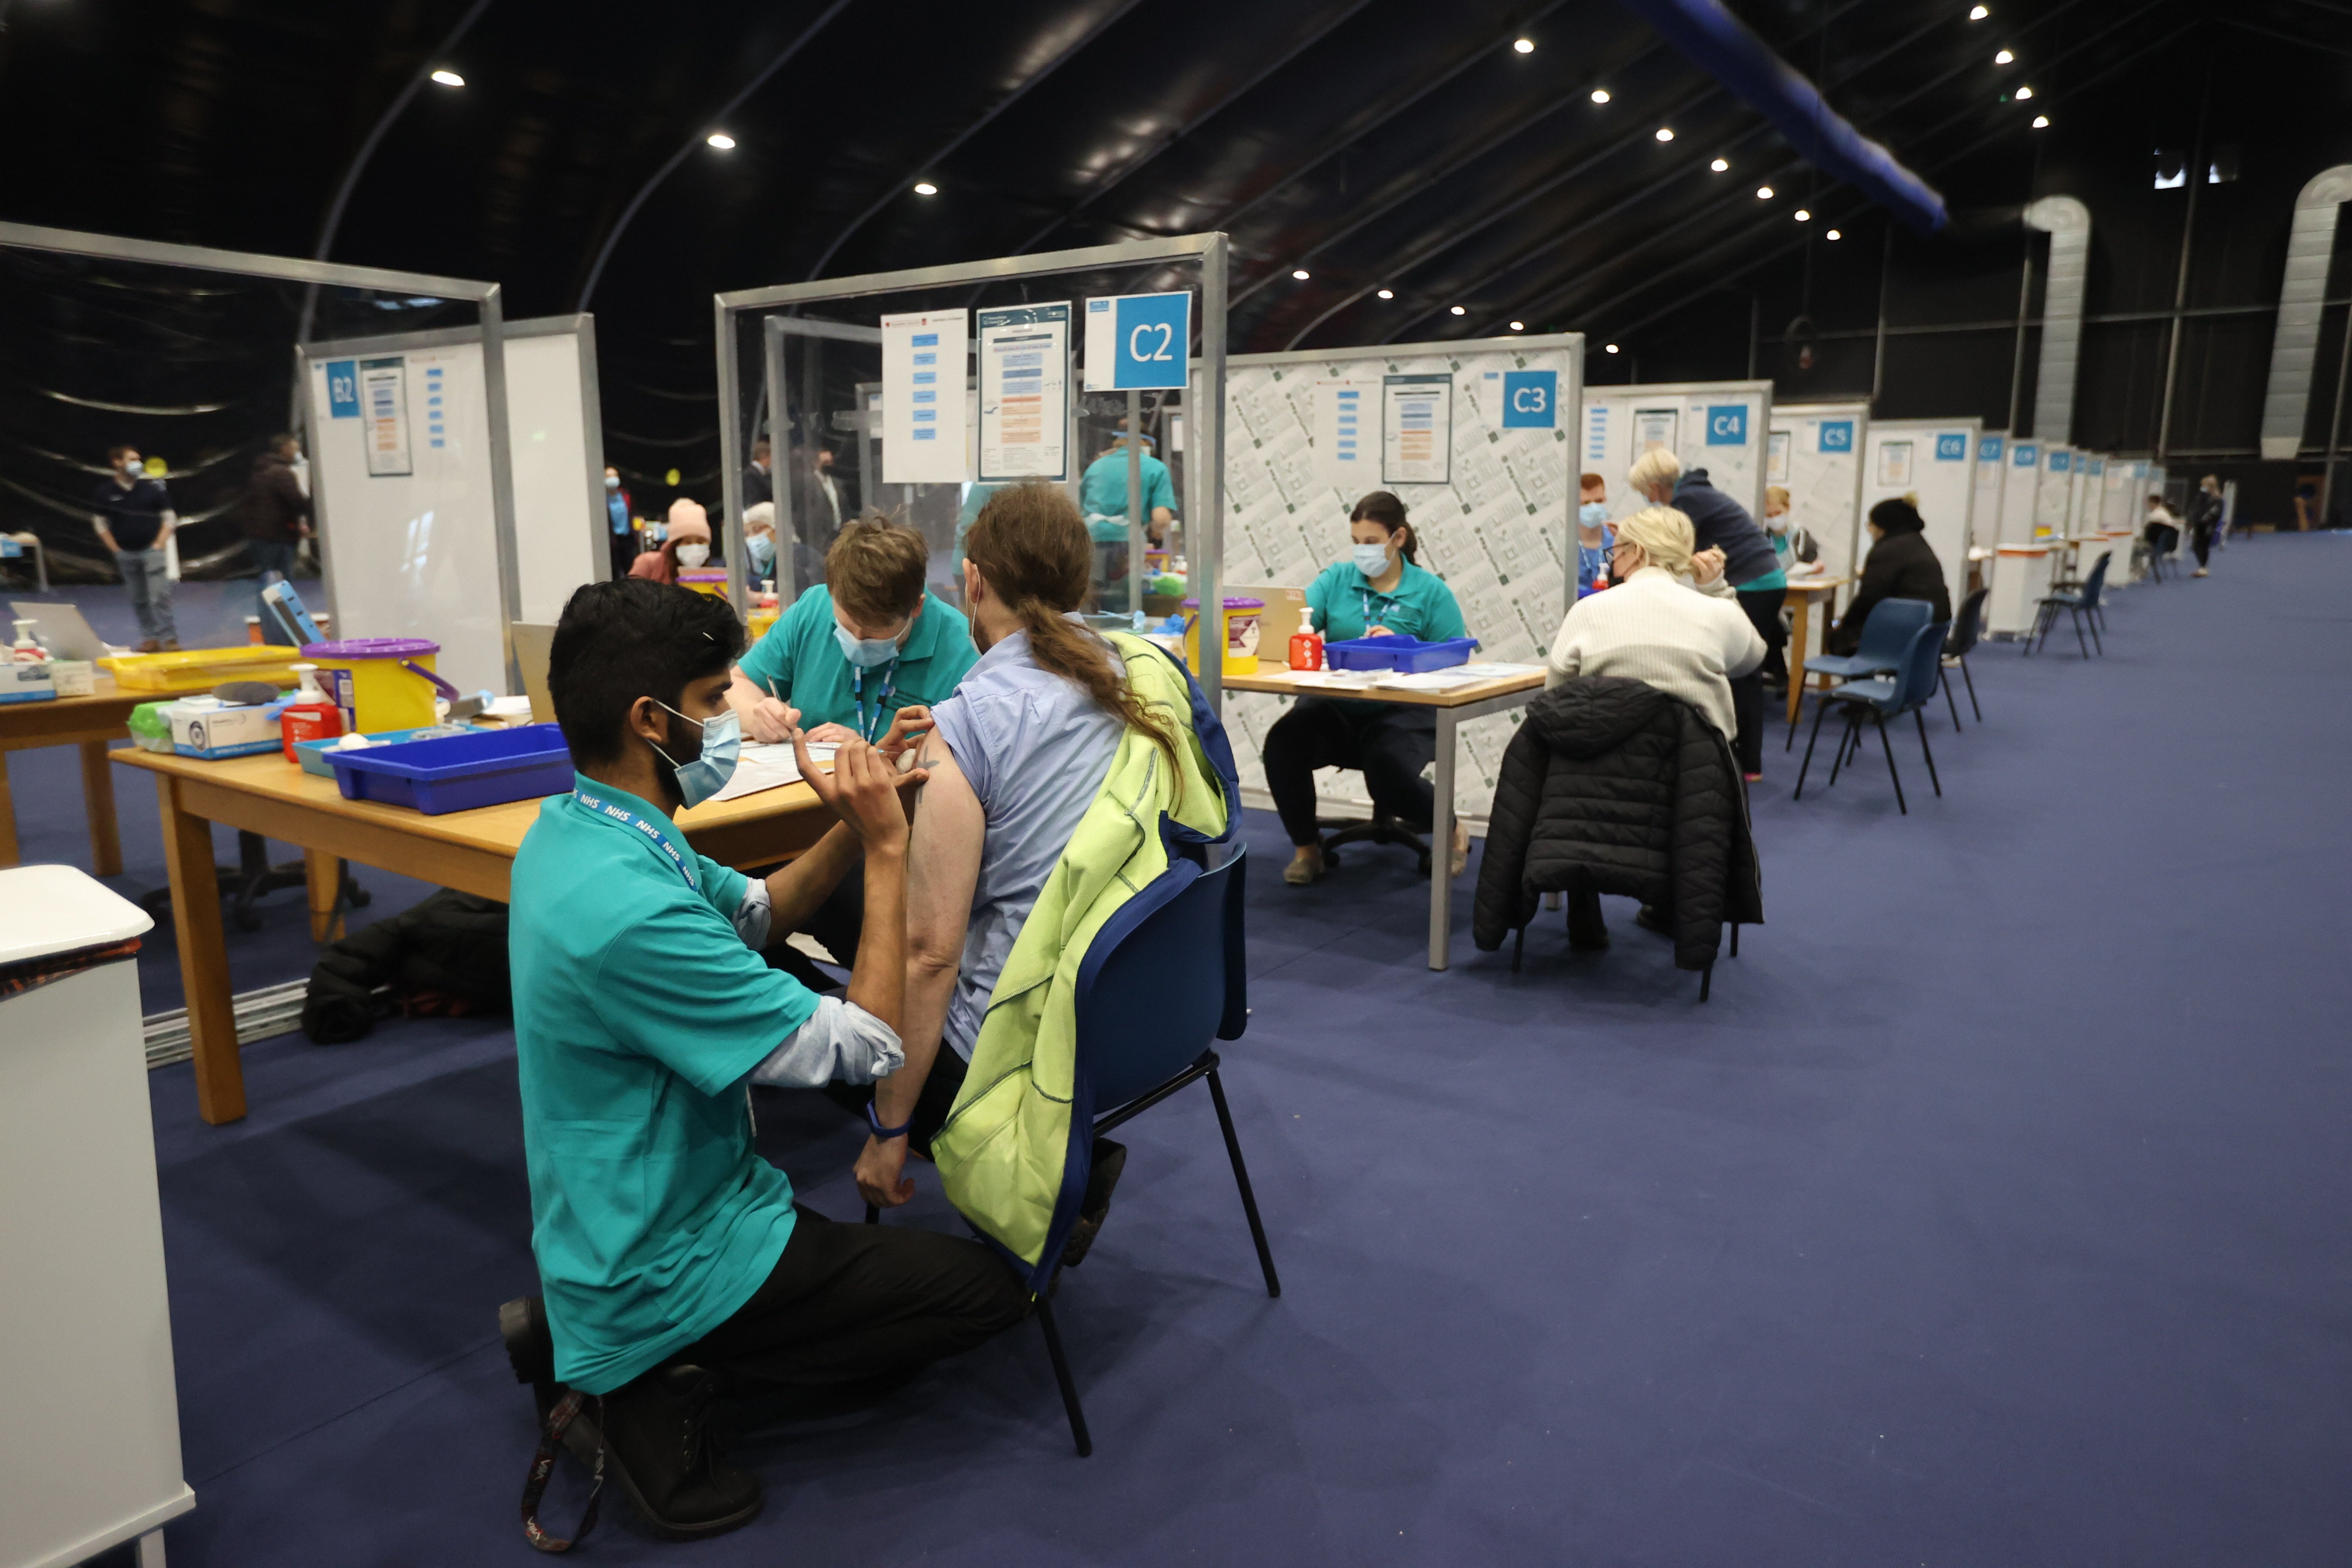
1036 748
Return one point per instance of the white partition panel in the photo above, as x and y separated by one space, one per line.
400 476
2124 501
1939 469
2019 480
1816 452
1984 510
1719 426
2053 492
1498 531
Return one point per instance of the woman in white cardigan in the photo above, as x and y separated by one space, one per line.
1671 620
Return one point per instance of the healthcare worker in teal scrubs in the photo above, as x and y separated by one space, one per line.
1378 591
674 1262
1102 497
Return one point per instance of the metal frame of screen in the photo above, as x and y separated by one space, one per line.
485 297
1203 524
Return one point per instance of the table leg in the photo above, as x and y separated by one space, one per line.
8 816
203 958
324 874
1441 847
1800 630
97 800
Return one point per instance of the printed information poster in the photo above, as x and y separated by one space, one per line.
1656 428
1024 394
1895 463
1416 430
1776 458
923 356
383 404
1344 412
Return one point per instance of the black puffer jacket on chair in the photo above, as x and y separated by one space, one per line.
1635 789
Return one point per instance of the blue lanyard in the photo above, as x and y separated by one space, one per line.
630 820
866 730
1386 600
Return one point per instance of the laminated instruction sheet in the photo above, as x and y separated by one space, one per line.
1416 430
1024 394
923 376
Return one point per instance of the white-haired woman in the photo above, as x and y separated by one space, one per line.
1672 621
1742 553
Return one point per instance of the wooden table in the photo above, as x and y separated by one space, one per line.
88 722
471 851
1802 591
1453 707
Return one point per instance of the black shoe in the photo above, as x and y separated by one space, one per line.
1652 917
658 1444
530 1350
1589 934
1109 1159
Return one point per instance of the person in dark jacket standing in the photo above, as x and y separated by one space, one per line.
135 519
276 515
1901 564
2204 520
1744 558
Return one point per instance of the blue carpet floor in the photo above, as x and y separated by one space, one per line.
1995 1211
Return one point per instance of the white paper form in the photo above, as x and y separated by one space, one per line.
1895 463
759 768
1024 394
383 404
1654 427
1416 430
923 376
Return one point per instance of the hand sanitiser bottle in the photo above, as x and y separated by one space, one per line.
28 648
312 716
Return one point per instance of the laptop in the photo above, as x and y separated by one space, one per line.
62 629
533 643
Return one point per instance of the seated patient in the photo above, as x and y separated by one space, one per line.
670 1251
1901 564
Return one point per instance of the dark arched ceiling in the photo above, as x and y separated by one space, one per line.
1374 144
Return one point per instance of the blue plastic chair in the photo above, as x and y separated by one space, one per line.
1886 641
1880 698
1164 979
2084 602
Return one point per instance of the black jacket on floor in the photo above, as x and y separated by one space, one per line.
1633 788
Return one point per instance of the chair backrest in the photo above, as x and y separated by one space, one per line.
1162 978
1886 635
2096 583
1923 665
1968 624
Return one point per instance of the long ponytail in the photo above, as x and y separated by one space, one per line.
1033 550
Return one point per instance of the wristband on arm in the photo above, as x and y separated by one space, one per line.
886 1133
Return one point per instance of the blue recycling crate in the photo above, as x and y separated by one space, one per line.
1406 655
458 772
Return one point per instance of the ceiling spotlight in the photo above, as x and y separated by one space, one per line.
925 188
2042 123
1804 216
1524 46
1763 193
1519 326
1461 310
1299 273
1599 95
2004 58
1720 166
448 78
1666 133
1834 235
720 140
1611 348
1388 293
1978 12
2023 93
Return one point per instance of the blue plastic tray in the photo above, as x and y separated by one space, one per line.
1404 655
458 772
314 755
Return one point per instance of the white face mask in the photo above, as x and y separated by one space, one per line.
611 481
134 469
693 554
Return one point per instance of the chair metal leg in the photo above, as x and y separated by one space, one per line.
2095 617
1821 711
1930 756
1706 981
1062 1375
1518 946
1944 679
1734 939
1241 1180
1848 746
1970 682
873 1215
2078 634
1888 747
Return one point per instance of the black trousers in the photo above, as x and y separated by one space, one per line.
625 553
851 1304
1762 608
932 1106
1390 745
2200 539
836 922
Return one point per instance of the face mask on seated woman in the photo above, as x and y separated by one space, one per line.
693 554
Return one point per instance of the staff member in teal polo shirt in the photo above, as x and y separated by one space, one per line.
668 1251
1102 493
1378 591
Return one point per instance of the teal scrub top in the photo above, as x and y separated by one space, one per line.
639 1013
801 661
1102 491
1342 604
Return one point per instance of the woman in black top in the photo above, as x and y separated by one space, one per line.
1901 565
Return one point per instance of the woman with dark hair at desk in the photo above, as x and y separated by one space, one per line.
1901 565
1380 590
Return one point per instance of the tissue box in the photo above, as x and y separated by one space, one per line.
206 727
74 677
26 682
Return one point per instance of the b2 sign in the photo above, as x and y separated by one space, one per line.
1726 425
342 389
1530 399
1139 343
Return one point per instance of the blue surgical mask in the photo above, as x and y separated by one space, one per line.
866 653
611 481
762 547
1371 560
1592 513
707 772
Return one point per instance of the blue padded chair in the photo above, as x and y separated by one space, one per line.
1162 979
1885 640
1880 698
1967 626
2084 602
